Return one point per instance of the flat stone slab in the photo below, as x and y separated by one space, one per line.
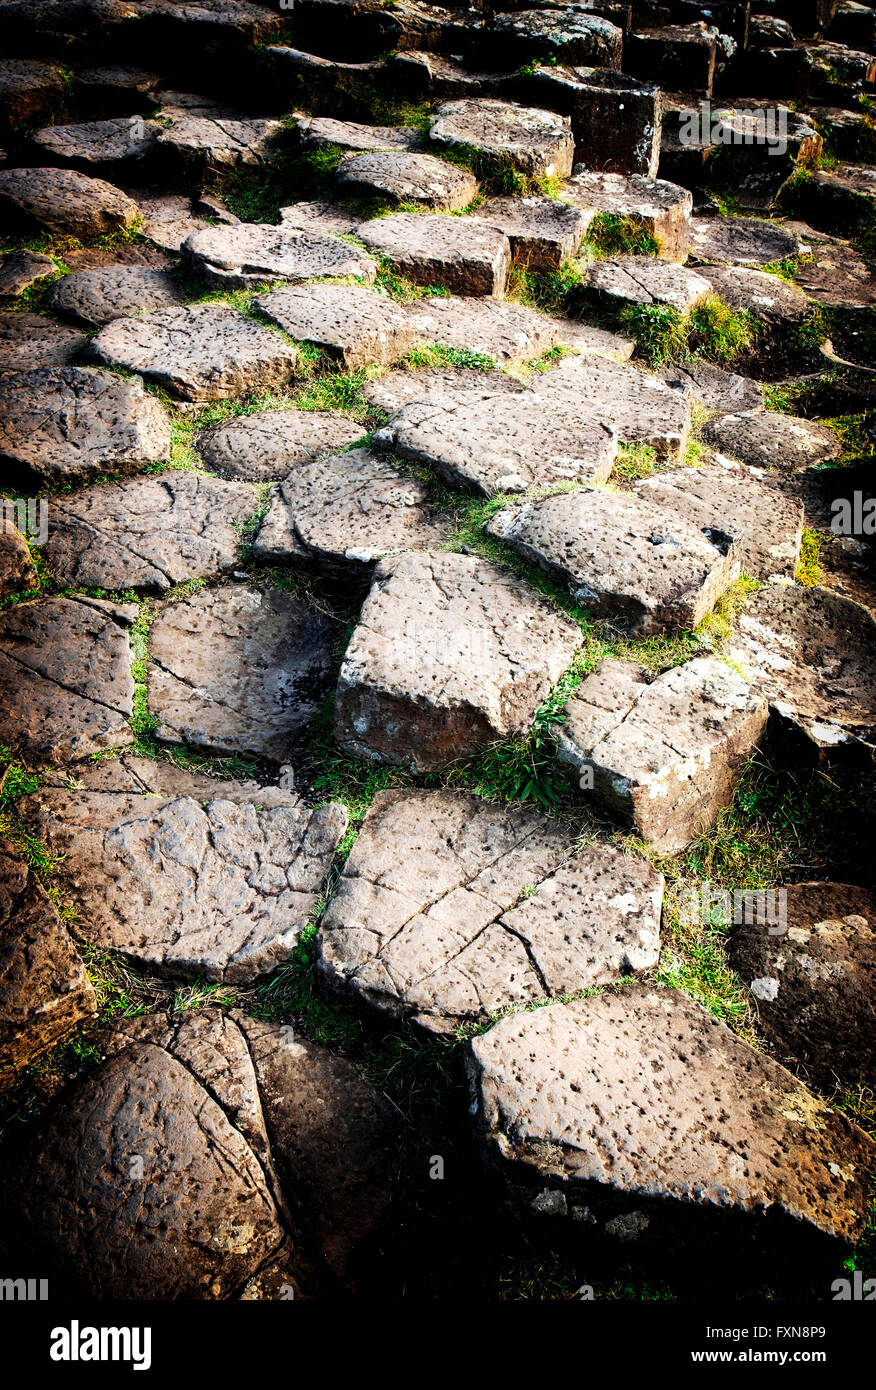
725 498
65 202
450 653
19 270
543 232
71 424
764 295
45 994
662 756
315 131
220 144
147 533
741 241
511 334
810 971
837 277
720 391
17 570
623 558
623 280
329 219
538 143
450 909
632 1110
31 340
237 669
98 144
812 652
661 208
65 669
396 388
168 219
407 177
95 297
198 352
348 511
567 35
253 253
356 324
266 446
26 89
501 442
639 405
768 439
204 878
459 253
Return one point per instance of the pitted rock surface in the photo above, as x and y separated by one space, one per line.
168 219
543 232
538 143
358 325
17 569
566 35
220 144
397 388
740 241
21 269
27 88
29 341
509 333
253 254
408 177
662 208
65 202
622 280
722 392
268 445
95 297
327 218
315 131
458 253
761 294
767 439
98 145
639 405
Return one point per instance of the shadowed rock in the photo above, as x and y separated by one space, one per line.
253 254
96 297
97 146
538 143
17 569
65 203
30 341
407 177
19 270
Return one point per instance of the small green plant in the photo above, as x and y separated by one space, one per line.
810 570
437 355
617 234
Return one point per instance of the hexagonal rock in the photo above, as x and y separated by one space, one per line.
662 208
762 294
65 202
624 559
450 653
117 90
147 533
664 755
222 144
17 570
330 219
45 994
740 241
95 297
499 442
724 498
32 340
268 445
395 389
254 254
623 280
768 439
97 145
811 651
450 909
70 424
198 352
639 405
725 393
459 253
633 1112
168 220
543 232
21 269
347 512
65 670
27 88
406 177
811 975
506 332
237 669
355 324
835 276
538 143
190 877
616 119
567 35
315 131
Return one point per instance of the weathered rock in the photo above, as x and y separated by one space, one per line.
636 1109
203 878
253 253
27 90
19 270
538 143
199 352
99 146
268 445
65 202
17 570
316 131
116 91
32 340
616 119
623 280
639 405
663 756
395 389
168 220
811 651
740 241
356 324
65 645
326 218
45 994
237 669
768 439
622 557
543 232
764 295
459 253
662 209
348 511
811 974
568 35
71 424
450 653
406 177
210 146
500 442
681 58
836 277
96 297
508 333
722 392
450 909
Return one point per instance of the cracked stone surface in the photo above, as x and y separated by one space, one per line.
191 877
21 269
644 280
148 533
168 219
767 439
69 424
622 557
198 352
315 131
724 392
65 669
450 653
221 144
45 994
662 208
640 1104
29 341
812 652
502 442
450 908
725 497
252 254
662 756
17 570
237 669
408 177
508 333
639 405
65 202
566 35
764 295
348 511
95 297
395 389
266 446
27 88
356 324
740 241
538 143
98 144
543 232
459 253
811 978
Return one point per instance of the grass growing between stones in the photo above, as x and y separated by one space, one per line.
548 290
618 234
810 570
711 331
